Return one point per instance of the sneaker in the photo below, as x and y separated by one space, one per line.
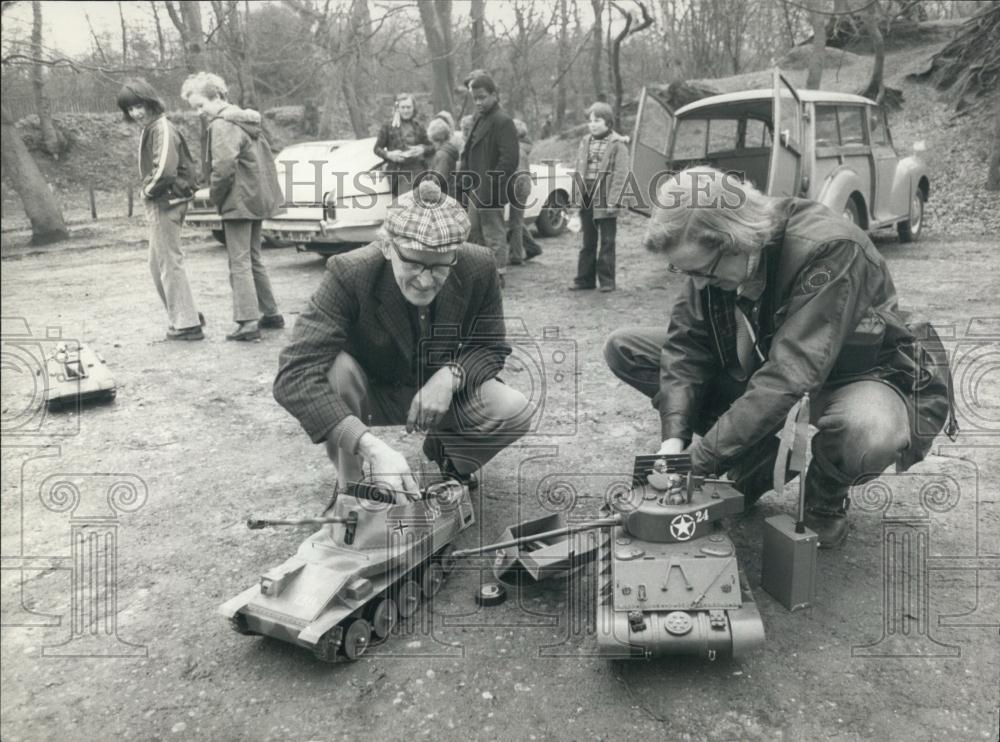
829 523
271 322
606 288
186 333
578 287
245 331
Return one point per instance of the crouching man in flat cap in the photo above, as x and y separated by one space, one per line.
406 330
782 297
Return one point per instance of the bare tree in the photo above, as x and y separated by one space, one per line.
51 141
161 43
234 40
993 172
477 49
436 18
187 20
121 18
816 59
40 204
597 50
562 64
616 49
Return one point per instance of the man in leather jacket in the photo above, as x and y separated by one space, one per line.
783 297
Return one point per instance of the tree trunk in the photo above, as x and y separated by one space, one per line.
561 65
160 40
874 88
597 51
187 21
121 17
477 50
440 54
51 141
818 22
993 174
355 111
40 204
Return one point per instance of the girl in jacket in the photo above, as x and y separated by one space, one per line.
404 145
445 159
602 161
168 182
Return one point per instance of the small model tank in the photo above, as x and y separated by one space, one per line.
348 583
668 578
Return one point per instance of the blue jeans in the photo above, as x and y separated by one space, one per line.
862 426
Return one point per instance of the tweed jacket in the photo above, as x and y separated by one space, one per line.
359 309
826 315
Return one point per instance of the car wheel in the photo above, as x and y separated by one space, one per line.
909 230
554 216
219 235
851 212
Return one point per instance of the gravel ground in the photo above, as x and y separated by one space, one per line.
196 427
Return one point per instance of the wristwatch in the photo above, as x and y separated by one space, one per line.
458 373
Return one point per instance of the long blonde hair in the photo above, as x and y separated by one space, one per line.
719 210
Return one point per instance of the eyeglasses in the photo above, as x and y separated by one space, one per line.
417 267
708 273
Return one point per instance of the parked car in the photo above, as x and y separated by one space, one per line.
342 202
202 214
834 148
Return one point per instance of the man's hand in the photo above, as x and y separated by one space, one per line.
671 446
432 400
395 155
389 466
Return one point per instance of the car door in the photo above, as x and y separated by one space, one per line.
884 159
785 172
650 158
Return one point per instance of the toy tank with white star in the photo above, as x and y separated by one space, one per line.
668 577
371 563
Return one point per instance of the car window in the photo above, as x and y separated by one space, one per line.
757 134
826 127
876 125
690 141
722 135
654 128
852 127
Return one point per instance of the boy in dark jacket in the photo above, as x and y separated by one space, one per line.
168 182
245 190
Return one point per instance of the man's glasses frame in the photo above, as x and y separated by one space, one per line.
417 268
708 273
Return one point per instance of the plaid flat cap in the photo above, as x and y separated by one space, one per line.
427 219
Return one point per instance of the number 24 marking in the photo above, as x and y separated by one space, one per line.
700 516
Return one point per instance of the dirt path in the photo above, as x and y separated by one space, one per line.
196 430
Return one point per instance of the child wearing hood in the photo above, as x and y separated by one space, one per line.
245 190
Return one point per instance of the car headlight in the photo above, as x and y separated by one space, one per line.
329 205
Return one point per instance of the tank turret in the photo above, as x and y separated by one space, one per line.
371 563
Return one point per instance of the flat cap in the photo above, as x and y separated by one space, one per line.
427 219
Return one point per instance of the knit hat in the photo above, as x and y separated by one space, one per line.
426 219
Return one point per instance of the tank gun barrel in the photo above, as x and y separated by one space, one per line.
255 524
588 526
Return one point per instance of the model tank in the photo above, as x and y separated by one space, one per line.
668 578
371 563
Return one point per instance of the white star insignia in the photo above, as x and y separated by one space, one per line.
682 527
